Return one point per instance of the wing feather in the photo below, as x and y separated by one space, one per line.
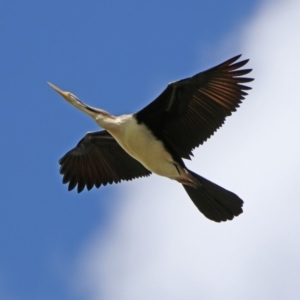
189 111
98 160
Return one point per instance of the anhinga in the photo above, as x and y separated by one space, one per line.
158 137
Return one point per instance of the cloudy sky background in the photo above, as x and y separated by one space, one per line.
159 247
145 239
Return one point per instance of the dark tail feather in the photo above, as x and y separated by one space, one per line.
213 201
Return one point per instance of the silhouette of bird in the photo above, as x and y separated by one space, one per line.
157 138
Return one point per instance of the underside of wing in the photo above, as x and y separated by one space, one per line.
97 160
189 111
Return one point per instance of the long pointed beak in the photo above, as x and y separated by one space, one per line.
62 93
72 99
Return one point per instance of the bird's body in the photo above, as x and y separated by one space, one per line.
158 137
138 141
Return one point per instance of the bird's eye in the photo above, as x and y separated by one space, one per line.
71 96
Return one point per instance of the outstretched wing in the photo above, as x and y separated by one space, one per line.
97 160
189 111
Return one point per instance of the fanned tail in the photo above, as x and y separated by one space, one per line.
213 201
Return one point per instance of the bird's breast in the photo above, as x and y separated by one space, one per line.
139 142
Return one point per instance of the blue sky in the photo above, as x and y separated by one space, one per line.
119 55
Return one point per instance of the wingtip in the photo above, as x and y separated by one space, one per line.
235 58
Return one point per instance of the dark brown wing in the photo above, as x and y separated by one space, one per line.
189 111
98 159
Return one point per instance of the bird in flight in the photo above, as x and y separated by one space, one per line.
157 138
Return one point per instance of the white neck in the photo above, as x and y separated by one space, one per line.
102 117
106 120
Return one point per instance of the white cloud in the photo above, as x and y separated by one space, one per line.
160 247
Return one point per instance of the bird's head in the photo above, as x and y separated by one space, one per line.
72 99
